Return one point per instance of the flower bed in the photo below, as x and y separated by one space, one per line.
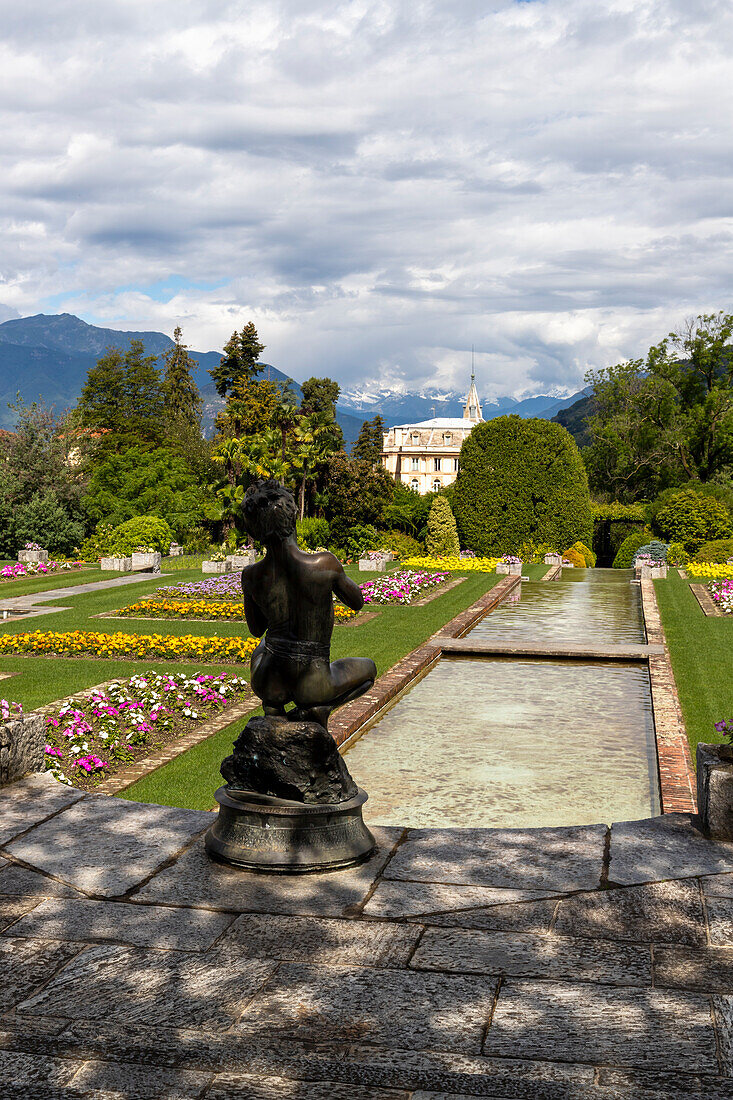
31 568
88 740
453 564
709 571
400 587
200 609
722 594
221 586
80 643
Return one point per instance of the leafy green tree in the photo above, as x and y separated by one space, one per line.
521 481
45 520
319 395
356 493
122 402
240 361
138 481
442 540
368 446
252 407
181 396
693 519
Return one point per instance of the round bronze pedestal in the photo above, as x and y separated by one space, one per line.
273 835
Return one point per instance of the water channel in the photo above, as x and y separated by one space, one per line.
523 742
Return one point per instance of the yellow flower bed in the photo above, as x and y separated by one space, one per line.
709 571
89 643
453 565
203 609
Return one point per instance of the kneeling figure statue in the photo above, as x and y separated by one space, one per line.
289 803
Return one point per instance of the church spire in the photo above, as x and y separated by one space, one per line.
472 408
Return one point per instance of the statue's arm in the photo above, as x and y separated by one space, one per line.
256 621
348 591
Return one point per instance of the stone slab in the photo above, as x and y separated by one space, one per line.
657 1085
525 955
108 921
601 1024
321 942
236 1086
33 1071
664 847
31 801
720 920
662 912
718 886
21 881
396 899
557 859
196 880
25 967
582 651
390 1008
106 845
22 742
140 1082
13 908
706 969
723 1009
131 985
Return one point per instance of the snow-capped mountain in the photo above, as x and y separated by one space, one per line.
398 406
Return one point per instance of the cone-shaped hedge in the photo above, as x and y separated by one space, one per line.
521 480
442 538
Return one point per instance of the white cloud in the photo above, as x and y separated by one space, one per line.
377 184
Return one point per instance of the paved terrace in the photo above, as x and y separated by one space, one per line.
560 964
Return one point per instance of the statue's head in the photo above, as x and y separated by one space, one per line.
269 511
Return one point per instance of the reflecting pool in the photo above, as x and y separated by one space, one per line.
513 743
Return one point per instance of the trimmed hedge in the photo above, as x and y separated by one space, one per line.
574 557
520 480
442 536
693 518
625 557
586 553
719 550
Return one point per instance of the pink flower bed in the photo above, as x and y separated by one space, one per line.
32 569
400 587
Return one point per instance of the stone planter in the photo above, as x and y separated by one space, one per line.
241 561
654 572
175 550
146 561
33 555
553 559
120 565
715 790
215 567
512 569
22 744
372 565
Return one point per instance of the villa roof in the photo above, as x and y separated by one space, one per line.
440 422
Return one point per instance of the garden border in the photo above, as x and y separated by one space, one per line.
706 602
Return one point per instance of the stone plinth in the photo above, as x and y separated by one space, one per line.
715 790
33 555
215 567
175 550
119 565
241 561
146 561
553 559
653 572
512 569
22 743
372 565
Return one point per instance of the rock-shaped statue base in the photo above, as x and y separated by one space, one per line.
297 761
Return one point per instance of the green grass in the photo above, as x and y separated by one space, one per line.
701 649
44 583
192 778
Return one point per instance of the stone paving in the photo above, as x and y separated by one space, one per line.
578 963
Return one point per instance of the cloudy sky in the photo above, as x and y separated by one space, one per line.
378 184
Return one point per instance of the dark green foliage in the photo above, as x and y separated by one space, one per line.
625 557
368 446
313 532
354 539
122 402
183 402
693 518
138 482
719 550
520 480
575 419
356 492
319 395
654 549
442 537
141 531
240 361
45 520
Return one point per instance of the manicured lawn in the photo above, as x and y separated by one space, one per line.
701 649
44 582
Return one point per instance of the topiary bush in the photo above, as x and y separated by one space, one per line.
677 555
313 532
654 549
442 537
719 550
404 546
693 518
520 480
574 557
141 531
586 553
625 557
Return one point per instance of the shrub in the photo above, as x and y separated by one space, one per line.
46 520
586 553
677 555
655 549
404 546
520 480
693 518
355 539
574 557
719 550
99 544
197 541
442 537
313 533
625 557
141 531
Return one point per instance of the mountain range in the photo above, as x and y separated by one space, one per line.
49 356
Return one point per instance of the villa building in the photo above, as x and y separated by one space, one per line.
424 456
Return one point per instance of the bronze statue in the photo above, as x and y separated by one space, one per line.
288 602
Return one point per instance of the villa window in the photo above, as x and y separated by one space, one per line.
472 411
437 464
414 485
436 485
416 463
455 465
415 437
447 437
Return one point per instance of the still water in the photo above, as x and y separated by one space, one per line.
513 743
593 605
